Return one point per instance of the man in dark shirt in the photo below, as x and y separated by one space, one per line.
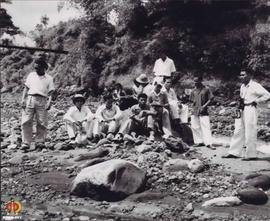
139 119
200 122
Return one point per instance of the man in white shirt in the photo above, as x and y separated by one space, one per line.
163 68
178 111
79 120
108 118
36 101
245 132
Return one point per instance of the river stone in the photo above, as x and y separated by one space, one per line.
222 201
99 152
111 180
174 165
176 144
143 148
252 196
195 165
260 181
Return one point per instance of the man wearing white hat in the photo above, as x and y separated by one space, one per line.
79 120
142 85
245 133
163 68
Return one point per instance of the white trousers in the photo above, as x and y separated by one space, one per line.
74 130
178 113
200 126
245 134
174 109
184 113
105 127
35 108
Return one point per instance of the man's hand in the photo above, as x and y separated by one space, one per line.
48 106
254 104
23 104
77 123
203 109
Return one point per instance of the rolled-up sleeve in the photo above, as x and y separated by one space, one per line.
118 114
262 93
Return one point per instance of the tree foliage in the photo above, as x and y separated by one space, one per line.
211 36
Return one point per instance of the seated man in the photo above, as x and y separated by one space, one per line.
78 119
138 122
107 119
141 85
174 104
159 102
159 123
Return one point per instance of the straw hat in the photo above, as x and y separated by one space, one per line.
142 79
78 97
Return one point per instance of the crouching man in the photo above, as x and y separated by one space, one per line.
108 119
161 119
79 121
138 122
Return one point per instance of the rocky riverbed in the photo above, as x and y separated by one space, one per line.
174 190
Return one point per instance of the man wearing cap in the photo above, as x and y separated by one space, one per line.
200 122
79 120
141 85
163 68
36 101
245 132
159 101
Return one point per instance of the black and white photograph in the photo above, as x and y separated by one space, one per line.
135 110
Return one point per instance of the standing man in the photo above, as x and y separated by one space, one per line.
36 101
245 132
200 122
163 68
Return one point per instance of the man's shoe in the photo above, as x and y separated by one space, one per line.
25 147
110 136
151 137
39 146
230 156
198 145
211 147
118 137
165 136
250 159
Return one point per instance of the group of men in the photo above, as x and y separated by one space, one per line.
156 111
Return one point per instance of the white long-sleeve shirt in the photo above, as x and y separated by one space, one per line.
74 115
103 113
170 94
254 92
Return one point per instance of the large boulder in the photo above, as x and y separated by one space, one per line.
99 152
252 196
111 180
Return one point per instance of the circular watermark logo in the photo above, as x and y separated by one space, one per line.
13 207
